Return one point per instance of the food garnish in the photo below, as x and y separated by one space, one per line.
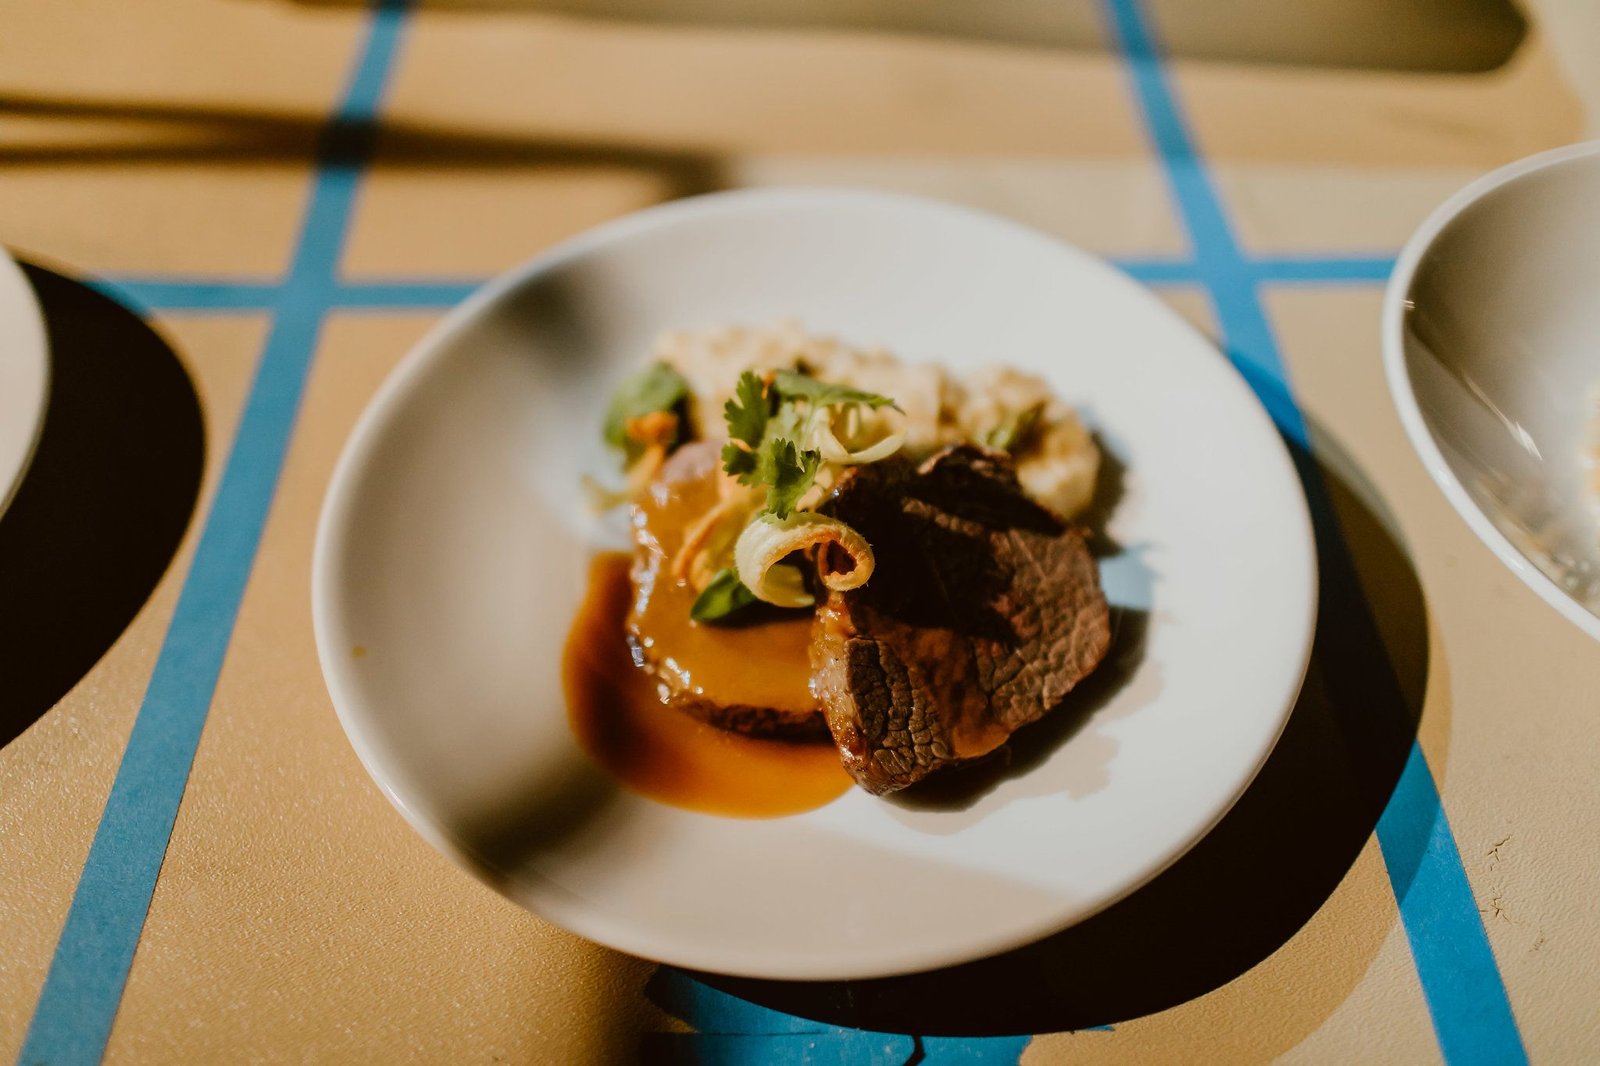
644 412
723 595
1014 430
912 528
797 414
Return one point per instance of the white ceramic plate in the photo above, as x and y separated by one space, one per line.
1491 338
24 376
452 554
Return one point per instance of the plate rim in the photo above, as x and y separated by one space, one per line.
1409 407
31 340
336 515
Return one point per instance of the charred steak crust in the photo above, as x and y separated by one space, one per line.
749 720
983 612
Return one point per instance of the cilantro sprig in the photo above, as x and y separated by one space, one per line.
796 386
767 431
749 411
769 422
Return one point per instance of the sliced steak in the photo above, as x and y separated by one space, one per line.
752 678
983 611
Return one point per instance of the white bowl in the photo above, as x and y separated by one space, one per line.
452 552
24 376
1491 336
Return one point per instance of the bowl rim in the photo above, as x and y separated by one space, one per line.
1396 296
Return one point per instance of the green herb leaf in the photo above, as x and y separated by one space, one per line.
657 387
787 421
791 470
740 462
791 385
766 431
725 595
1014 431
748 411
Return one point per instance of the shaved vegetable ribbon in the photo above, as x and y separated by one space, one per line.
780 434
844 436
767 540
777 444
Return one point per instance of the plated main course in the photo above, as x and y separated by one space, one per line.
840 560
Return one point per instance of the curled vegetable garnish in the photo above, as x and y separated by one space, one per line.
789 436
763 545
844 436
781 433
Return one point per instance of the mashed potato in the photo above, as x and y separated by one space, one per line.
1057 460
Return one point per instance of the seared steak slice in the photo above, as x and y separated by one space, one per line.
983 612
752 678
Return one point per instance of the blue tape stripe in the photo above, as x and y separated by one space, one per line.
1217 256
1474 1023
404 295
427 294
1323 270
1462 984
714 1012
1158 271
1327 268
89 970
736 1032
232 297
846 1047
155 294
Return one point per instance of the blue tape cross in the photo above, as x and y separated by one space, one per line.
1462 985
79 1001
83 988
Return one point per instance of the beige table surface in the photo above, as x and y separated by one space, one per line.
175 154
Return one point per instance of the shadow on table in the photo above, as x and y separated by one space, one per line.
159 133
105 503
1247 887
1420 35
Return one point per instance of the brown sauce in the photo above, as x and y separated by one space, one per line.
711 661
618 717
